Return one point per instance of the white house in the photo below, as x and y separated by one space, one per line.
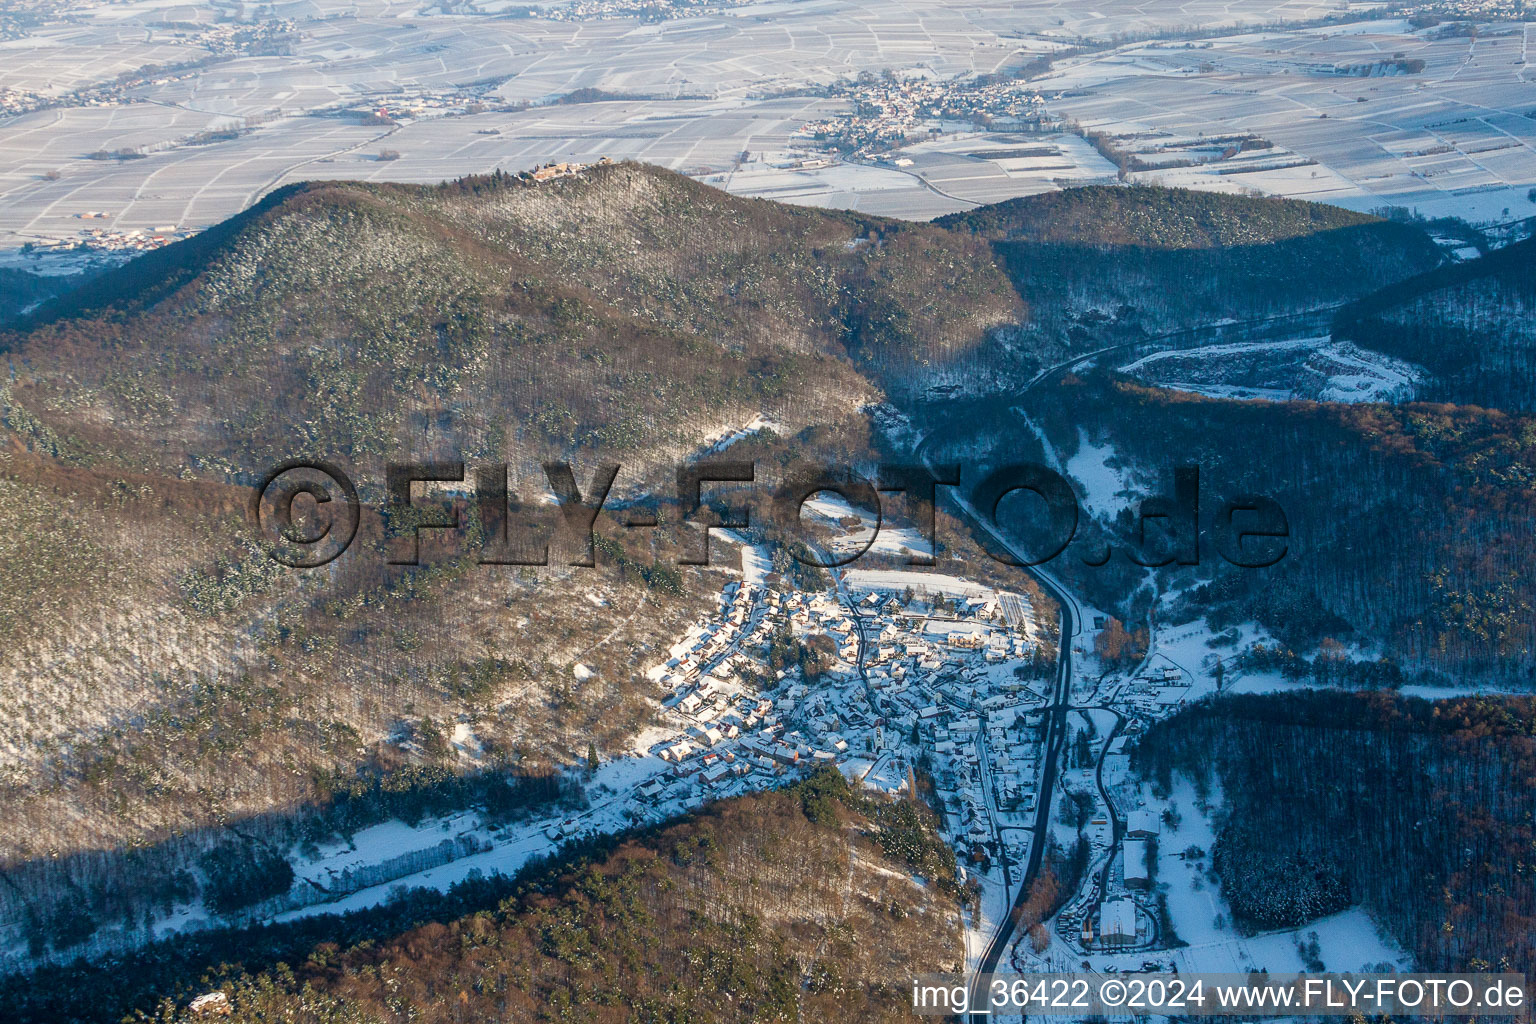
1136 862
1141 824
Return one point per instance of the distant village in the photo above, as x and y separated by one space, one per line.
645 10
97 243
890 112
217 42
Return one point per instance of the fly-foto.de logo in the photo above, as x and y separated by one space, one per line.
308 513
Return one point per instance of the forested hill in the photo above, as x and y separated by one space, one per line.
626 310
814 903
1409 525
626 314
1472 325
1154 217
1420 811
162 676
1114 263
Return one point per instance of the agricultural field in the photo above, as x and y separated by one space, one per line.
127 125
1378 113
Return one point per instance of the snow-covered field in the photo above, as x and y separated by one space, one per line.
1346 941
897 580
829 510
1107 485
506 848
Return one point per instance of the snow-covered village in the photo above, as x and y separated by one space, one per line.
921 685
922 679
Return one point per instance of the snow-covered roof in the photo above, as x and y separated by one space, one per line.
1117 919
1136 860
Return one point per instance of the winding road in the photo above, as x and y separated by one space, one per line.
1071 622
1055 730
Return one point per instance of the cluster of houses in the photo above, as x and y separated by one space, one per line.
948 682
20 101
105 241
951 683
710 655
950 679
972 751
713 676
915 679
890 112
1155 693
909 643
652 11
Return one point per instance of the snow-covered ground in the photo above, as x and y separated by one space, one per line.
1346 941
1107 486
1316 368
724 440
896 580
981 925
755 565
505 849
830 510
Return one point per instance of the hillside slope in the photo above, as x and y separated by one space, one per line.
1409 529
623 311
815 903
1106 264
1418 811
1473 326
